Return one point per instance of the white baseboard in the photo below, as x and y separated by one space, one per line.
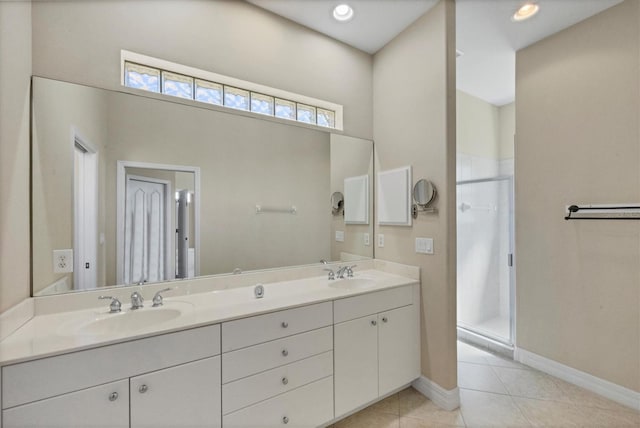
445 399
610 390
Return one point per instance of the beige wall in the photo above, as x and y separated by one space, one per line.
577 109
414 124
483 129
477 126
507 130
15 72
81 42
351 157
60 111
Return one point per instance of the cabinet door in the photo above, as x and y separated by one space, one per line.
187 395
398 344
101 406
356 363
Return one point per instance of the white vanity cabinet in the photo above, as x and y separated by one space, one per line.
376 346
169 380
278 368
100 406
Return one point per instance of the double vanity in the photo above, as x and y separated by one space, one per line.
301 352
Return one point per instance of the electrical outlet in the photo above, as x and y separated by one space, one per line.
339 235
380 240
62 261
366 239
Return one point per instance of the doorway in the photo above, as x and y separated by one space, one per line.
485 259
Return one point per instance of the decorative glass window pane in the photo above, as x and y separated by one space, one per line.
177 85
208 92
236 98
262 104
306 114
326 118
285 109
141 77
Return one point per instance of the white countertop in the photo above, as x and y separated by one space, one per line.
51 334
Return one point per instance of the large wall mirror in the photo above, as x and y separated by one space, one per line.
130 189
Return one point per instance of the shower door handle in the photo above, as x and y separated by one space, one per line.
510 259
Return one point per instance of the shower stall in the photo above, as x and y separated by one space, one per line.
485 258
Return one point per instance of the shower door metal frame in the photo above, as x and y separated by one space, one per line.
510 261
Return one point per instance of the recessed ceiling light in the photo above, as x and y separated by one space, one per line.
343 12
526 11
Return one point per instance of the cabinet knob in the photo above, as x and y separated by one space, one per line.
385 319
113 396
285 381
285 352
285 420
285 324
374 322
143 389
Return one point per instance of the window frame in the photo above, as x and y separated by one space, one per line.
195 73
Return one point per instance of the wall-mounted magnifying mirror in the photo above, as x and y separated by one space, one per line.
337 203
424 193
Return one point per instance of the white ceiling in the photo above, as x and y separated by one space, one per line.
485 32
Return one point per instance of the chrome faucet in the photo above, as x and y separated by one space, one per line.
157 299
332 275
341 271
115 305
136 300
350 271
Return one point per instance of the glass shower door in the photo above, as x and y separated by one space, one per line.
484 225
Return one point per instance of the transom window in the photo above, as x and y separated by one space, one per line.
154 75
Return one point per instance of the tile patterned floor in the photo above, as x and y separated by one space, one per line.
497 392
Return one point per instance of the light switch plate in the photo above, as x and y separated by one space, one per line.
366 239
424 245
380 240
340 235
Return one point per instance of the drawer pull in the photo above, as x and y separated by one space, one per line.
113 396
385 319
285 352
143 389
285 324
374 322
285 420
285 381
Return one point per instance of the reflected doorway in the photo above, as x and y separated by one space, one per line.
85 213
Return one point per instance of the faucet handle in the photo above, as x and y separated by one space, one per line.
136 300
115 305
350 271
157 298
332 274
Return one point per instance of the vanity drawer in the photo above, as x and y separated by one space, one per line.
263 328
307 406
35 380
252 389
367 304
258 358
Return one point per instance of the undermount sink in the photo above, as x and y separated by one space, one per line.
352 283
127 321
